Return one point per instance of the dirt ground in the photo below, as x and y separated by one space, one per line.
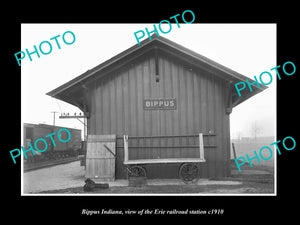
246 188
252 180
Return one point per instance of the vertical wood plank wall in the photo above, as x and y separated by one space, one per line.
117 108
100 163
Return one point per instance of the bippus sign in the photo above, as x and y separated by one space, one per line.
151 104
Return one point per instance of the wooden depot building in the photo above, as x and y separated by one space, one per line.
150 104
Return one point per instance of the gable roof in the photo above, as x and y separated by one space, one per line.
168 46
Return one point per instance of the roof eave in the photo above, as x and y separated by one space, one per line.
230 74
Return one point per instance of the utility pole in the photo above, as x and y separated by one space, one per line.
54 117
84 116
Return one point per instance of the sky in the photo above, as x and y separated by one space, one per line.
248 49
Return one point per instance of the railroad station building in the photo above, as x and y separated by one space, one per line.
162 95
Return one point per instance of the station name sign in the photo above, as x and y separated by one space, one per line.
163 104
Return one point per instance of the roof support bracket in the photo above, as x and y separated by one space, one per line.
229 95
156 65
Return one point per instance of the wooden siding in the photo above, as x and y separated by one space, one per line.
117 108
100 163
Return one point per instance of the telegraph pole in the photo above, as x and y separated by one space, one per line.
54 117
84 116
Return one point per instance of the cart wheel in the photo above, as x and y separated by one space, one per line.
136 171
188 172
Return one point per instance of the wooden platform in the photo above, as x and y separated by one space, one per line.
169 160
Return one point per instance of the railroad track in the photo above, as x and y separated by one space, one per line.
40 165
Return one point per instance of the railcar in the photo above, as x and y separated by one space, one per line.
32 132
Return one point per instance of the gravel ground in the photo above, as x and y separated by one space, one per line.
53 178
242 188
72 175
69 178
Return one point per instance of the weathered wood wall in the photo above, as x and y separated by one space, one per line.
117 108
100 163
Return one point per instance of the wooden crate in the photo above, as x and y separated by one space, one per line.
100 162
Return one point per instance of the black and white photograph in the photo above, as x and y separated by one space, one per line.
132 112
141 109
